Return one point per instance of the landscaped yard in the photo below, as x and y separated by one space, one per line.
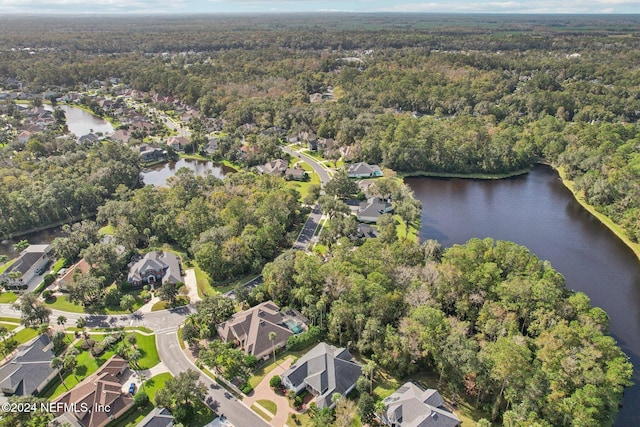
260 412
134 416
302 187
86 366
62 303
264 370
147 346
7 264
268 405
25 335
8 297
204 282
10 326
161 305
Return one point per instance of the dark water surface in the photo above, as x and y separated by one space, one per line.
537 211
158 175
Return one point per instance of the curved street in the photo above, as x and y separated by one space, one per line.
165 324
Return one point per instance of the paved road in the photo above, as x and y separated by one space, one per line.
218 398
309 229
317 167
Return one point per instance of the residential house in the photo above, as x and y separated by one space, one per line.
158 417
364 170
275 167
142 125
293 138
250 329
178 143
373 209
296 174
212 146
29 371
327 146
413 406
31 262
323 371
24 136
98 399
80 267
150 153
121 135
155 267
88 139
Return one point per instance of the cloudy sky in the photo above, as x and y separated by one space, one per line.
281 6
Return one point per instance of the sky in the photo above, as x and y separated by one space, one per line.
283 6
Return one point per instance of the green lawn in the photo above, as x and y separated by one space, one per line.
135 415
264 370
10 319
8 297
304 420
86 366
62 303
147 346
162 305
302 187
268 405
10 326
204 282
262 414
107 230
401 229
25 335
7 264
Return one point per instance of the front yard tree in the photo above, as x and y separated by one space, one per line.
341 186
127 302
168 292
33 312
272 338
180 393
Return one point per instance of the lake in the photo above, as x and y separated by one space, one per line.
81 122
536 210
157 175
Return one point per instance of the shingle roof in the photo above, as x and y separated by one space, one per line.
413 406
27 259
327 370
252 327
100 388
157 261
158 417
29 368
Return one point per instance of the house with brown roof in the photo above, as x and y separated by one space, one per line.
250 329
275 167
121 135
80 267
178 143
97 400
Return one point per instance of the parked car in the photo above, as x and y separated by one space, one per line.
132 388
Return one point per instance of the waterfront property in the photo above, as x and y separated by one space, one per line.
364 170
413 406
250 329
32 261
323 371
372 209
153 268
66 276
29 371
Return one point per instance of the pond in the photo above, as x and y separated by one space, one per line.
81 122
537 211
159 174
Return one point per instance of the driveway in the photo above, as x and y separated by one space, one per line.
264 391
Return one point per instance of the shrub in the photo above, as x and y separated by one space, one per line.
141 399
304 340
87 344
49 279
47 294
246 388
275 382
97 349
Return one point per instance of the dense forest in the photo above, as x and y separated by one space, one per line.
491 318
413 93
61 187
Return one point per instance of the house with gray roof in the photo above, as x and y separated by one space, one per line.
155 267
275 167
323 371
372 209
31 262
158 417
364 170
30 370
250 329
414 406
